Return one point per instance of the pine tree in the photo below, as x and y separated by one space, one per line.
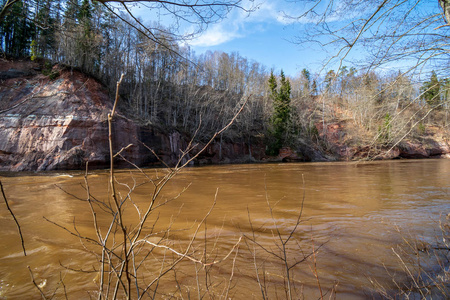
45 23
281 118
71 13
68 34
306 82
329 80
85 36
314 91
431 90
16 30
273 86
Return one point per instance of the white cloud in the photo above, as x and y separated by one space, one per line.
267 12
236 25
216 35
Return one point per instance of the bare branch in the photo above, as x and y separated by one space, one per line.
15 219
35 284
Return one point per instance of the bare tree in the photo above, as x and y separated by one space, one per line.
445 4
385 31
197 14
125 244
406 35
184 19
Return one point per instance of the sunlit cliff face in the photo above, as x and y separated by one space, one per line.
55 124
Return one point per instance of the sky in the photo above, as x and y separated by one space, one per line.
264 35
269 45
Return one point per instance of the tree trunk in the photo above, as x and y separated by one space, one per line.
445 4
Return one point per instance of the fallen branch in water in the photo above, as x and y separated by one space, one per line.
15 219
38 286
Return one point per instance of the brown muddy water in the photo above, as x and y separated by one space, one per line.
357 217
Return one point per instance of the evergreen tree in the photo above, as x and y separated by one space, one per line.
45 23
314 91
68 34
329 79
71 13
16 30
273 86
281 118
85 35
431 90
89 37
306 82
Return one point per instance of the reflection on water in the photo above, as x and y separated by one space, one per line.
351 212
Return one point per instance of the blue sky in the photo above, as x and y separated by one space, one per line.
264 36
269 46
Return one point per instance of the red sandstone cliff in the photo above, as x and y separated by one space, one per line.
56 124
432 144
60 123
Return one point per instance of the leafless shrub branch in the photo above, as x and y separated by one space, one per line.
15 219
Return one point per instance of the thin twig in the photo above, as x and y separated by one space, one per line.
15 220
316 274
35 284
232 273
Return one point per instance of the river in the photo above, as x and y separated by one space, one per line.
349 241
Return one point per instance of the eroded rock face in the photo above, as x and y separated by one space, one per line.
57 124
61 124
433 144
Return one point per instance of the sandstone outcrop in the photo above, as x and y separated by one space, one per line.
59 124
433 144
55 124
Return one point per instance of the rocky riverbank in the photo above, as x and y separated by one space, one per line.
61 123
58 121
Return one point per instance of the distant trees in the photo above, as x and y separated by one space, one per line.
196 13
168 85
306 78
47 18
382 32
39 19
435 91
7 7
165 83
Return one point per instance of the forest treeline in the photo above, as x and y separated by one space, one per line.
166 84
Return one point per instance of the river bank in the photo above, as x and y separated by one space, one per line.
58 121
